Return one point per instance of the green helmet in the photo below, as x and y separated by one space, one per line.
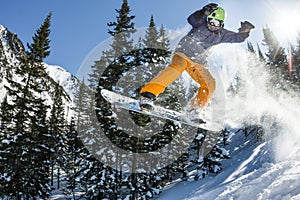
215 21
218 14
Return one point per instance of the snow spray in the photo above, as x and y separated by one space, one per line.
251 99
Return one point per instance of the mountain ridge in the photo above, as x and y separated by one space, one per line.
11 51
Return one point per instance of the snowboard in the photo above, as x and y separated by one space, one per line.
157 111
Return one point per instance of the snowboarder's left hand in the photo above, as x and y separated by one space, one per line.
246 27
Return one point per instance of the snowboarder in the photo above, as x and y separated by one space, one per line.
191 52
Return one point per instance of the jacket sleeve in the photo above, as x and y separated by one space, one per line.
197 18
232 37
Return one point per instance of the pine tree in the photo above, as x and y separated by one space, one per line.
210 152
69 160
57 132
164 42
41 145
6 140
83 169
121 30
151 38
27 166
137 65
95 74
276 58
40 48
81 99
250 47
295 73
115 57
260 54
75 154
6 115
275 53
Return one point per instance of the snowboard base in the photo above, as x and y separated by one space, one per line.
157 111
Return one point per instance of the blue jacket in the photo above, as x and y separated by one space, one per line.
200 39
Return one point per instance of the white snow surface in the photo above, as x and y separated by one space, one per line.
251 173
63 78
269 169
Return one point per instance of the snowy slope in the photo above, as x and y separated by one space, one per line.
251 173
256 170
63 77
10 49
68 82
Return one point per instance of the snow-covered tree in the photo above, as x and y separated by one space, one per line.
27 139
276 58
57 130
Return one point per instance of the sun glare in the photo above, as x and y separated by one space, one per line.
288 24
285 21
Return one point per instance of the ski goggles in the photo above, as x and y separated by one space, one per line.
214 22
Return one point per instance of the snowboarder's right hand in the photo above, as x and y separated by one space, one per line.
209 8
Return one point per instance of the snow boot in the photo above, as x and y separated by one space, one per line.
146 101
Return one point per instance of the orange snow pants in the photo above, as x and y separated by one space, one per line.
198 72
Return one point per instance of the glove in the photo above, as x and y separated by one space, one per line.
209 8
246 27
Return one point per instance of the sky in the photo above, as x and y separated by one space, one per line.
77 26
